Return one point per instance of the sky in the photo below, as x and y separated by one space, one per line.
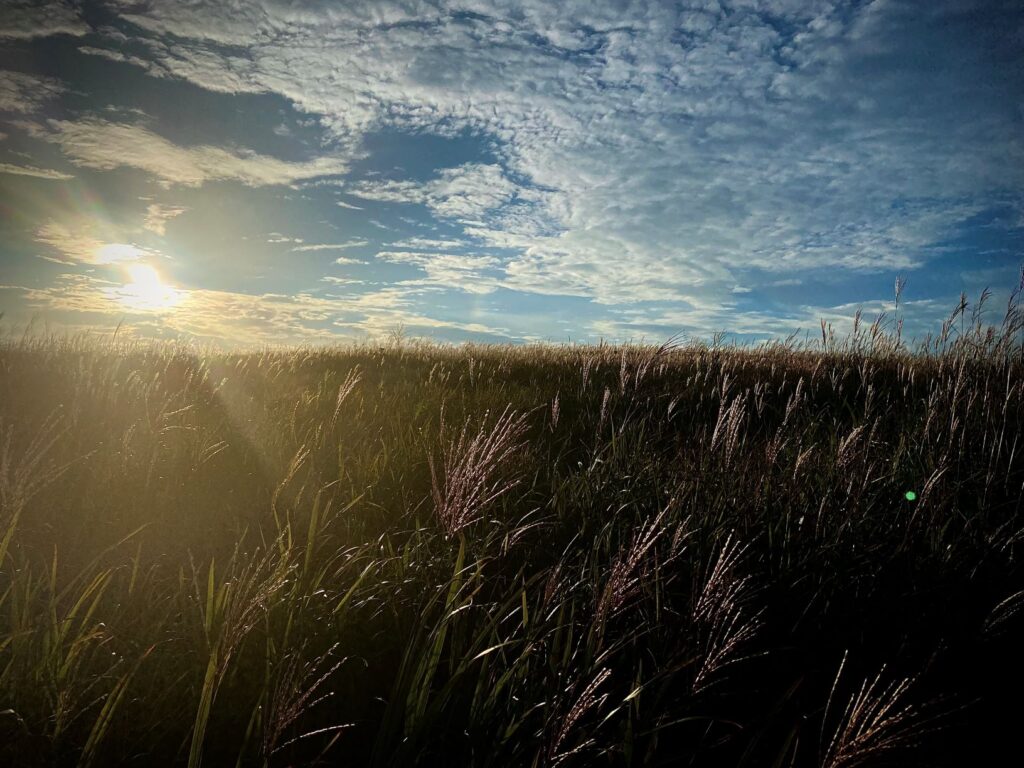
282 171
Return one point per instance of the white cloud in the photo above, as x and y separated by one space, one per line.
28 19
31 170
648 151
633 323
240 318
667 149
463 272
25 93
106 53
157 216
92 142
331 246
86 242
465 192
118 56
427 244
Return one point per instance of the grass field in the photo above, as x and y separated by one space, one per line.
404 554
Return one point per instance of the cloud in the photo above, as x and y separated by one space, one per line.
633 323
467 273
106 53
637 152
93 142
31 170
118 56
465 192
428 244
25 93
240 318
157 216
81 243
652 150
28 19
330 246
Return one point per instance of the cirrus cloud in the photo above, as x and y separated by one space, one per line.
93 142
34 172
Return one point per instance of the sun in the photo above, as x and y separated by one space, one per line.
144 290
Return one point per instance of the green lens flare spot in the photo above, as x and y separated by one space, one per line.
910 496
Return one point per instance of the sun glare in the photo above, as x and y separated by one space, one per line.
145 290
113 253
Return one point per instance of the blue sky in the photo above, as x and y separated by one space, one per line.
279 172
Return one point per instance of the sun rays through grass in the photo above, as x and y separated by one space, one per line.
409 554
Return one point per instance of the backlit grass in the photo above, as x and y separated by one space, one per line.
418 555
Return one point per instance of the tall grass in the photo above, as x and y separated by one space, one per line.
411 554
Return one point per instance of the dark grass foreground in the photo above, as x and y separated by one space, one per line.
533 556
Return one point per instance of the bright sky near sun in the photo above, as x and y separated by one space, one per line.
287 171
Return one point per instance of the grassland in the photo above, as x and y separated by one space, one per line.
395 555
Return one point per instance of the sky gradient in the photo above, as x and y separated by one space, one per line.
279 172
